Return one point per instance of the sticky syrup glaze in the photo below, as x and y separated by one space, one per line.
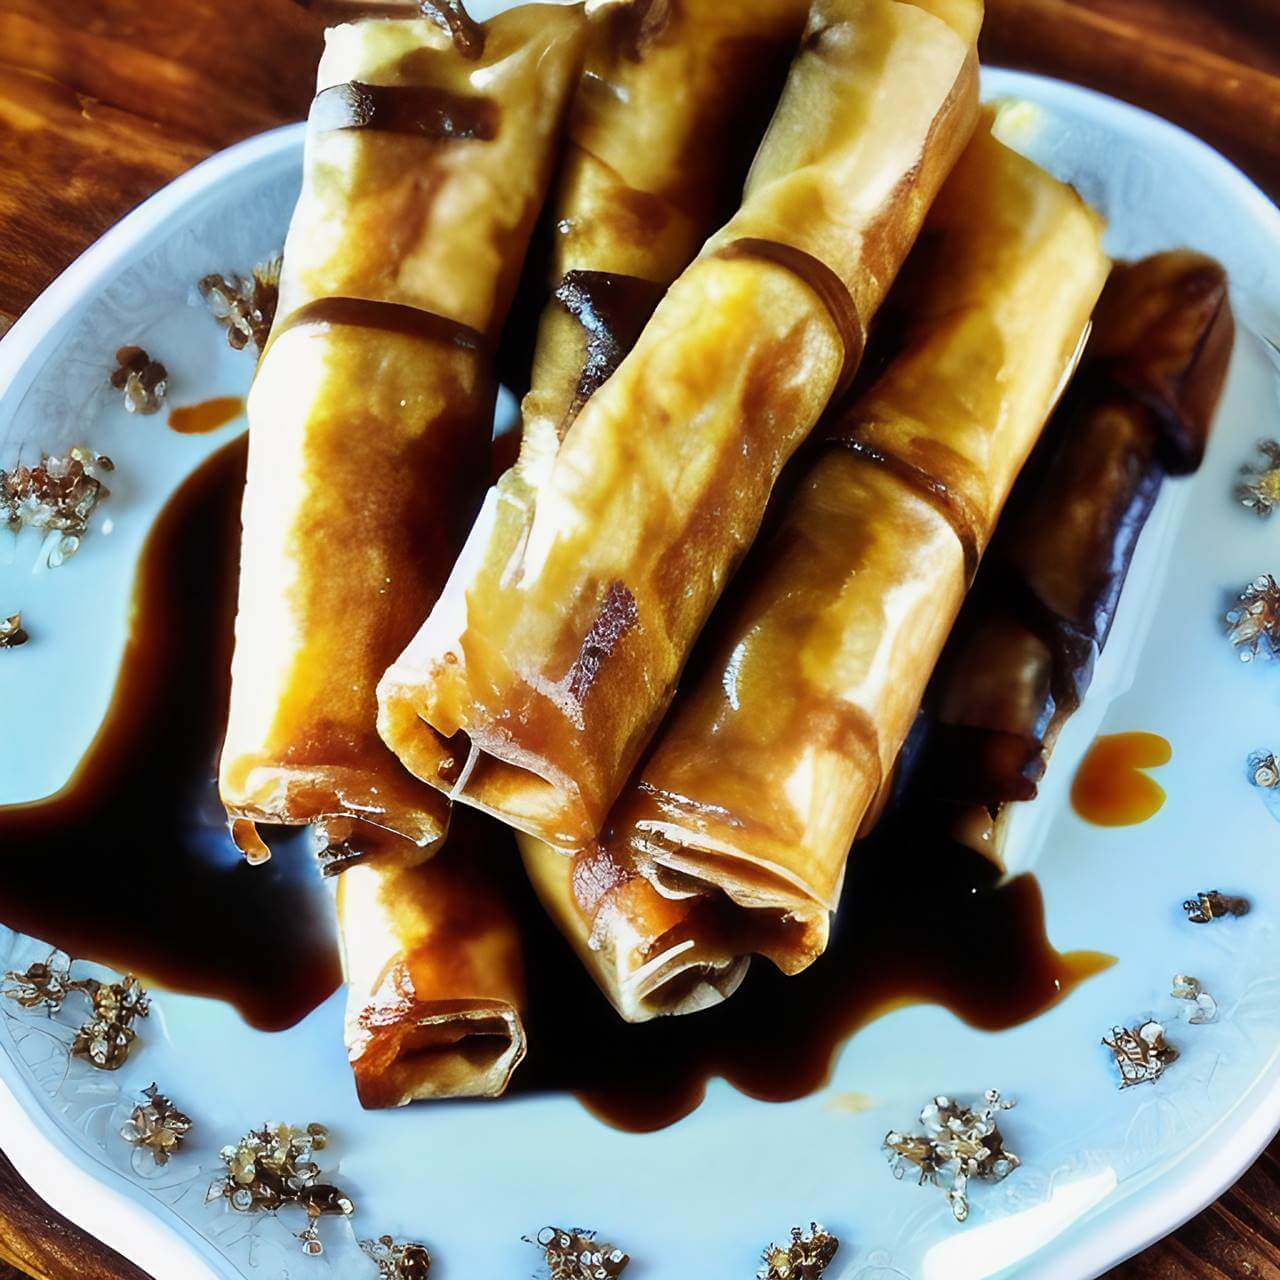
131 863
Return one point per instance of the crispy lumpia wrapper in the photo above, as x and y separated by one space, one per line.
435 975
370 419
545 667
760 778
666 118
650 954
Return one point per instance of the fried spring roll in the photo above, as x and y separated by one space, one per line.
434 971
427 161
543 670
758 782
1024 649
671 106
650 954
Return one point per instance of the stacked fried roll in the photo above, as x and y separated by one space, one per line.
671 104
435 974
764 771
427 162
545 667
429 154
1024 648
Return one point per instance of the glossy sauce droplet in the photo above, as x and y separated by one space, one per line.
1110 789
209 415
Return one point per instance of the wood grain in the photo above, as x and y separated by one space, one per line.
103 101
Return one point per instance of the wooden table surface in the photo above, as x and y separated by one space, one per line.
103 101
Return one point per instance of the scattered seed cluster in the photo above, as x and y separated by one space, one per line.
806 1256
11 632
1141 1054
958 1143
105 1040
1253 625
1259 486
398 1261
245 307
576 1254
156 1125
1199 1006
57 494
143 380
1211 904
1264 769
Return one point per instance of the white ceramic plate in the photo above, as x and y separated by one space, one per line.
1104 1172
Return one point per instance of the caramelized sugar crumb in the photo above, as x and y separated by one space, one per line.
245 308
143 380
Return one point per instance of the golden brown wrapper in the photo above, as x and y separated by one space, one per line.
650 953
435 973
759 780
673 101
370 415
553 652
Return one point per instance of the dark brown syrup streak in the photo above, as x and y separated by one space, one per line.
1052 579
613 310
385 317
131 863
831 291
933 490
468 35
419 110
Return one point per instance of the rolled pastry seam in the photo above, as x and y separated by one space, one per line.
534 685
660 135
760 778
650 954
370 416
672 104
1024 648
435 974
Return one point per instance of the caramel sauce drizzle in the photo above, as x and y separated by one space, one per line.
468 35
132 864
423 111
386 317
831 290
613 309
931 489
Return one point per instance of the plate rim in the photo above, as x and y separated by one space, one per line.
126 1218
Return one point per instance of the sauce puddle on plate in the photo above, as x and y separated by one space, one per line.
208 415
131 864
1110 788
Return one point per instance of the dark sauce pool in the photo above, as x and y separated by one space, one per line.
131 865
